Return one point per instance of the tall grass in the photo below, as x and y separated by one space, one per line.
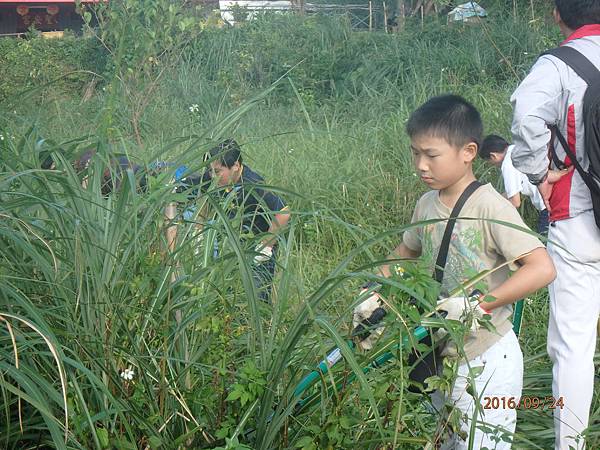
213 366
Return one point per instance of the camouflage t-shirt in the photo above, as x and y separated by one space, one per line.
475 245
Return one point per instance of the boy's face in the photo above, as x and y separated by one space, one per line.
440 164
224 175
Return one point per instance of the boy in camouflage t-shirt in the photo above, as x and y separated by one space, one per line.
445 133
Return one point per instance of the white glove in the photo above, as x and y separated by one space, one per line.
464 309
265 253
364 311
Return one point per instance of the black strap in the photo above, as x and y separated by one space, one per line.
440 263
576 61
587 178
555 159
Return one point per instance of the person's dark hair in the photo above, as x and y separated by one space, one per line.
227 153
82 162
492 144
46 160
448 117
577 13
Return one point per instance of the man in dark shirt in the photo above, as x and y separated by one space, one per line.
263 213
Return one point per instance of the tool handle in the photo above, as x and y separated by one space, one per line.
363 329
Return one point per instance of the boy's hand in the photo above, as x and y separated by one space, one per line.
546 186
464 309
363 312
265 253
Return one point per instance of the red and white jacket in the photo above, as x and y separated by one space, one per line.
552 94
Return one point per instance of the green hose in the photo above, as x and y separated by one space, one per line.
518 316
334 356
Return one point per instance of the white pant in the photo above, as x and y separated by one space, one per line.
574 310
501 378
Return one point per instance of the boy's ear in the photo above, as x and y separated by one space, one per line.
564 29
470 151
556 15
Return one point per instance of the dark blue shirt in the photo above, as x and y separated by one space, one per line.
257 204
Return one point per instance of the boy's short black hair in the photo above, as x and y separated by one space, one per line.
492 144
448 117
577 13
227 153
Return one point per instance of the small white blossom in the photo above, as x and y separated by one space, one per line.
128 374
194 108
1 137
399 270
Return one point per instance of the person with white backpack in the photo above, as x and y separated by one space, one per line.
556 132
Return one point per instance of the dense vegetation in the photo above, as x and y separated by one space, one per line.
90 289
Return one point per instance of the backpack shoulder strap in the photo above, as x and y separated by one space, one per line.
585 176
576 61
440 263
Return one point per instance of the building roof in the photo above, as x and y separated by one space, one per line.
38 2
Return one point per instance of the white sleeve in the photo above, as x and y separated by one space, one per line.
513 179
535 105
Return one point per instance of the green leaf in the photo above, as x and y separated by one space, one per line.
155 442
102 434
124 444
304 442
234 395
345 422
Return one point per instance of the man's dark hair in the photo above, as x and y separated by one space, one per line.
577 13
448 117
492 144
227 153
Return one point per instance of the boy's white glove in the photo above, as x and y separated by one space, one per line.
464 309
265 253
364 311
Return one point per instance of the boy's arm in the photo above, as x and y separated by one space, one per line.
280 220
400 252
535 272
513 183
515 200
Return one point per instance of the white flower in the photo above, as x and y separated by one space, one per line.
128 374
399 270
525 53
1 137
194 108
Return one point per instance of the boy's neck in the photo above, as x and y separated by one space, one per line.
450 195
